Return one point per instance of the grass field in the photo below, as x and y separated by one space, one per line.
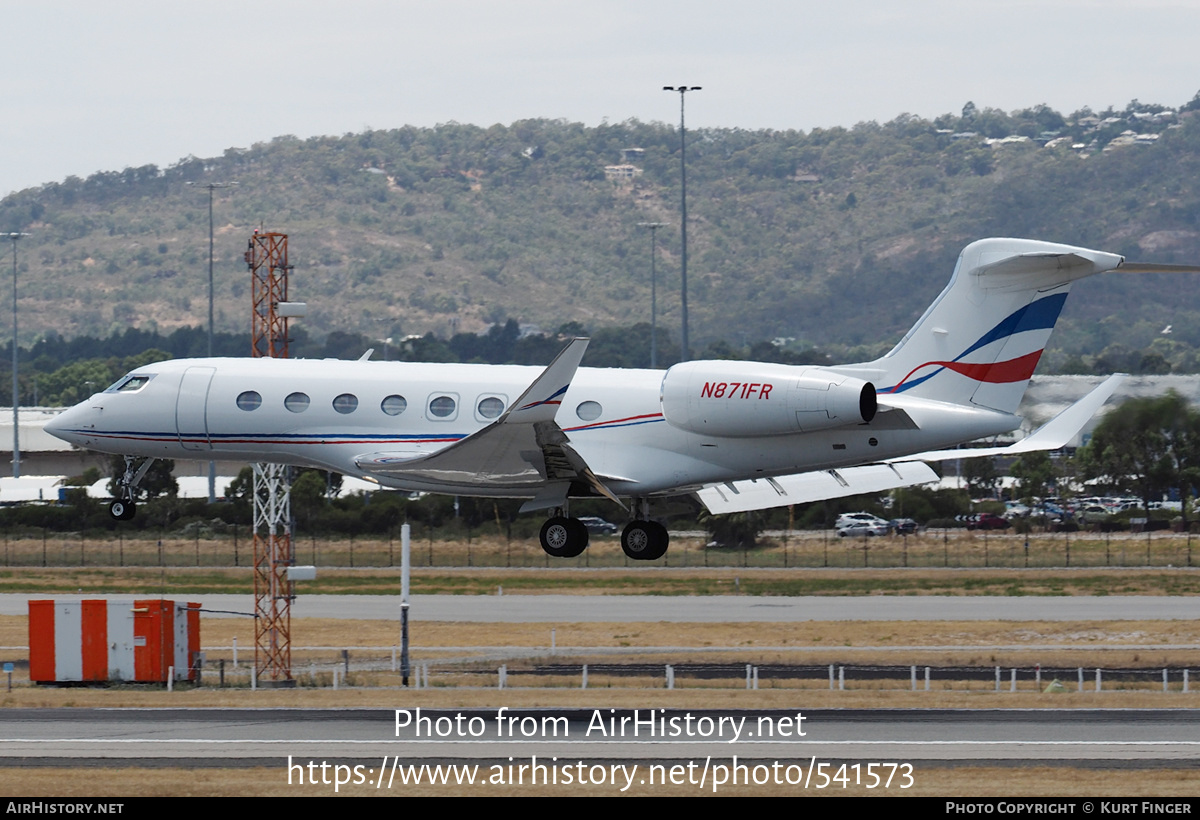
485 548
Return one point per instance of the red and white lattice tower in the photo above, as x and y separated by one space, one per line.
274 552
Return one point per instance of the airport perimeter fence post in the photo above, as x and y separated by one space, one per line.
831 677
1013 684
1164 680
670 676
841 678
1081 679
1097 678
1038 677
926 678
502 679
756 678
997 678
1185 681
583 683
747 676
912 673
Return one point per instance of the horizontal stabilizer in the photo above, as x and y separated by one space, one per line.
1053 435
763 493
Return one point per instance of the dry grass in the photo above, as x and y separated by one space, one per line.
486 548
464 659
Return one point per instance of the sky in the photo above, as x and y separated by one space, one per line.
104 86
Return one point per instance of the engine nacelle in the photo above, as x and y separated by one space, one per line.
720 398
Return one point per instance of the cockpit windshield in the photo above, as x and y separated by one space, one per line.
129 384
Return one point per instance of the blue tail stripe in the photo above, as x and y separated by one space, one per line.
1039 315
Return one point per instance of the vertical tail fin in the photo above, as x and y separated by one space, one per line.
981 339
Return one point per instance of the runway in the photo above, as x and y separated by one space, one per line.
72 737
692 609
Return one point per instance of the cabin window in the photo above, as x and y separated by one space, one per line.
490 408
394 405
442 407
589 410
250 400
346 403
296 402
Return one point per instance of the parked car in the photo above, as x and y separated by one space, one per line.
862 529
1093 514
848 519
988 521
903 526
598 526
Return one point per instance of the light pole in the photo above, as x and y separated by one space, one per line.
211 186
683 89
16 461
653 226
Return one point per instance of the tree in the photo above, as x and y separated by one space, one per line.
982 478
1034 473
1150 444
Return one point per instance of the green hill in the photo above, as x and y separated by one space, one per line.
837 237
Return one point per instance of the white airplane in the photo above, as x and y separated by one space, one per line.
739 435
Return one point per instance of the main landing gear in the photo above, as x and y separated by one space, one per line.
645 540
123 507
564 537
641 540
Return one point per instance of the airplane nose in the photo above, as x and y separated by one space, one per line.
66 424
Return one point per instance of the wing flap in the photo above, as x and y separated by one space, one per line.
763 493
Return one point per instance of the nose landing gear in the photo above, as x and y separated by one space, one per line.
124 506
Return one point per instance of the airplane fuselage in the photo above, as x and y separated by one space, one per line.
330 414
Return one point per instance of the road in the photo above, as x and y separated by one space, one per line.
72 737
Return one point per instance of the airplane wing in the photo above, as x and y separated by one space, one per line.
1052 435
524 451
762 493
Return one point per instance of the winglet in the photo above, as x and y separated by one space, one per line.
541 400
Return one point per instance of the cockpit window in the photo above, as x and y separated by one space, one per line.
128 384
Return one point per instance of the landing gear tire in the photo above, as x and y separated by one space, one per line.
645 540
564 537
122 510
